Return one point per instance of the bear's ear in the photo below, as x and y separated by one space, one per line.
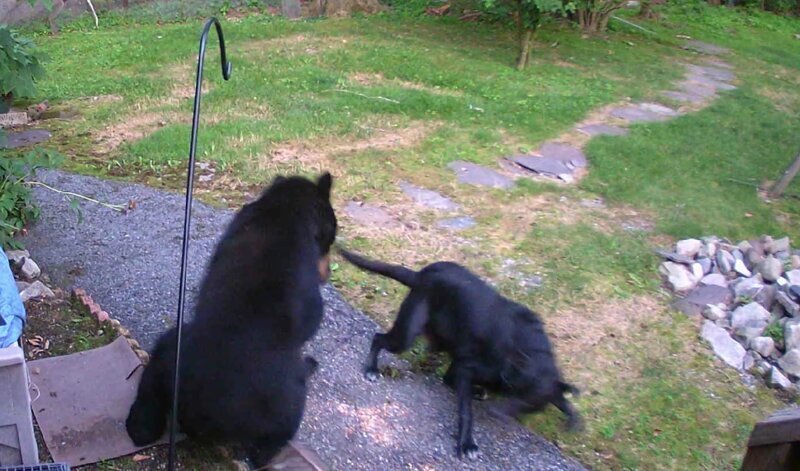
324 184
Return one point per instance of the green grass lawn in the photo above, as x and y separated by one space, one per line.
388 98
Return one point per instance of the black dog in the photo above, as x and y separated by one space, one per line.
243 376
494 343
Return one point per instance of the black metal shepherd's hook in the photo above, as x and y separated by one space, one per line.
226 74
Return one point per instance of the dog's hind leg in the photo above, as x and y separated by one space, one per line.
479 393
463 385
411 319
574 422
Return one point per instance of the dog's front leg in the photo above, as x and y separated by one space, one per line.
463 383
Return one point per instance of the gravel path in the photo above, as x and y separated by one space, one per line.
130 266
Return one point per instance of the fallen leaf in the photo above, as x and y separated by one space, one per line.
140 458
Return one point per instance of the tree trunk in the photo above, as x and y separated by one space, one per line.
646 10
526 40
603 24
58 5
777 190
592 22
346 7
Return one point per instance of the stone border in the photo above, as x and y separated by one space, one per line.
103 317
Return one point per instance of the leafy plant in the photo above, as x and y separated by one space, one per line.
16 204
775 331
20 64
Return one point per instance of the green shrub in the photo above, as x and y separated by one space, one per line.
16 204
20 64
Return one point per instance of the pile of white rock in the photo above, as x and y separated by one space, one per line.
27 273
749 295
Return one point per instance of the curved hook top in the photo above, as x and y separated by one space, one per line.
226 65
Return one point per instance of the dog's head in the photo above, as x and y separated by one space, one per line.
309 201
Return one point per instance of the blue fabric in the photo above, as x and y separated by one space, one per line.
12 311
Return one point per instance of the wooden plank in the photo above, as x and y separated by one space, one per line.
781 427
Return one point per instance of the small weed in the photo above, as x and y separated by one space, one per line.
775 331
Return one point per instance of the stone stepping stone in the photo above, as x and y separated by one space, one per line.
715 73
637 114
705 48
709 82
565 153
512 167
602 130
26 138
684 96
699 89
474 174
542 165
367 214
660 109
428 198
456 224
720 64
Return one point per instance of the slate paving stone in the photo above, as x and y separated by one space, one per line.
428 198
636 114
602 130
457 223
474 174
29 137
706 90
658 108
564 153
709 82
684 96
715 73
547 166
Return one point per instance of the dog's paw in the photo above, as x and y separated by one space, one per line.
240 465
469 451
372 375
479 393
574 424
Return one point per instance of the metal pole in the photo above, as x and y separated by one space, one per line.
226 74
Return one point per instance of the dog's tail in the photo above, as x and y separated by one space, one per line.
566 387
396 272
